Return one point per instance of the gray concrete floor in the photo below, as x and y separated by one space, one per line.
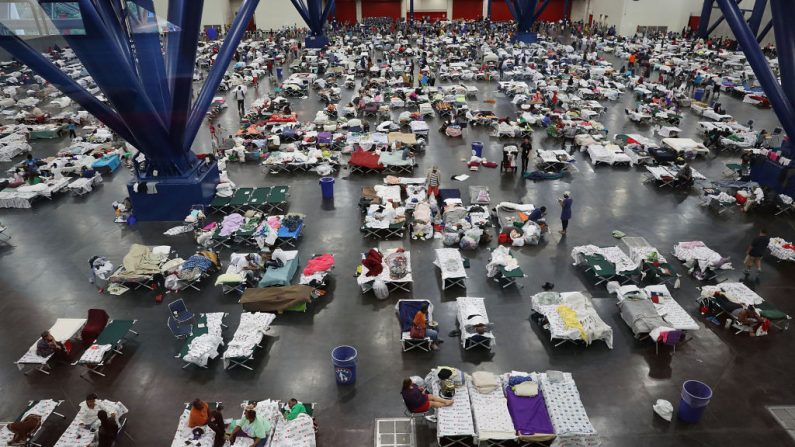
45 276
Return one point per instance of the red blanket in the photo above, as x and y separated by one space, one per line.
366 159
320 263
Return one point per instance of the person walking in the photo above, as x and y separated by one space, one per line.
755 251
527 146
565 211
432 182
240 96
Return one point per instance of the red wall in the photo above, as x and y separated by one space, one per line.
381 8
467 9
501 13
346 11
433 15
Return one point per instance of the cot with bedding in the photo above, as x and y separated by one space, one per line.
401 280
25 195
186 436
43 408
140 265
609 154
287 237
281 276
64 330
568 416
395 163
83 186
685 146
382 229
446 194
451 267
512 215
658 301
78 435
108 345
493 423
204 341
364 162
248 336
702 262
528 413
555 161
471 311
234 279
277 299
420 129
570 317
653 264
737 295
454 424
606 263
781 249
406 310
107 164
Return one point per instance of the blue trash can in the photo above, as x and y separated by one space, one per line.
698 95
477 149
327 187
344 360
695 398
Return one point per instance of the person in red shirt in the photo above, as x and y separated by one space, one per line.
418 401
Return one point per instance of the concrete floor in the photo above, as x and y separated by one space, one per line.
45 276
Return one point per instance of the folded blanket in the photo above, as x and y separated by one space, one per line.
485 382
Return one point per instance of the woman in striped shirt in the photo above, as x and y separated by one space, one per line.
432 182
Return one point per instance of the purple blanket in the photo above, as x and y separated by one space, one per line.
529 414
231 224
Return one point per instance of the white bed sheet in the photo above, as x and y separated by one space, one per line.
248 335
78 436
595 327
43 408
466 307
365 282
490 413
568 416
450 262
736 292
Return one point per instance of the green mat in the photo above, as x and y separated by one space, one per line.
114 332
278 194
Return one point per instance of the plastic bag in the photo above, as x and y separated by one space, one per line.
380 289
450 239
468 243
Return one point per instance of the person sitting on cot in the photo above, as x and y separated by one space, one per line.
418 400
293 409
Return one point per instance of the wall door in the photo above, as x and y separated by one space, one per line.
346 11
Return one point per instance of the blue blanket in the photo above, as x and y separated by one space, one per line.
280 276
110 162
406 312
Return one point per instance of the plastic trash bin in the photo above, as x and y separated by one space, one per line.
694 400
698 95
327 187
344 360
477 149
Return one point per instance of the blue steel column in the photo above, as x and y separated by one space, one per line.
774 91
706 15
762 34
755 21
525 13
488 9
781 12
315 15
411 12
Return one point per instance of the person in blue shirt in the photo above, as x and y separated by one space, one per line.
538 214
565 211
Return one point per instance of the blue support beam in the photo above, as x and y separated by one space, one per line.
778 96
315 15
781 12
411 12
755 21
762 34
706 14
488 9
525 13
540 10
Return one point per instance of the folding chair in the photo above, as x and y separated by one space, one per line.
95 322
179 331
180 311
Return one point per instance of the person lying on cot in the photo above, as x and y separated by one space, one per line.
477 324
293 409
418 400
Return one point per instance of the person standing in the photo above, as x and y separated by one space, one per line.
108 430
527 146
432 182
755 252
565 211
240 96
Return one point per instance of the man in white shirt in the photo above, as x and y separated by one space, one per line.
87 414
240 96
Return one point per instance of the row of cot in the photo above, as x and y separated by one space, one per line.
270 199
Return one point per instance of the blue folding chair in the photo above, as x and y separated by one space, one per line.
179 330
180 312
